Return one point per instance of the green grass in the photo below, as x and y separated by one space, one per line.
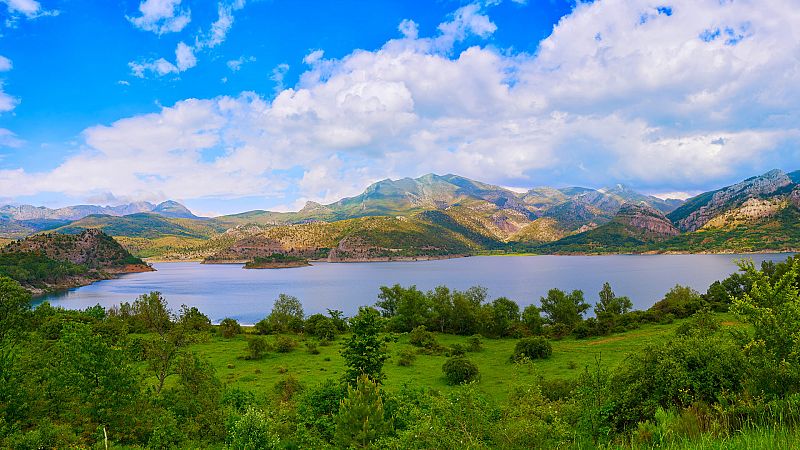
498 375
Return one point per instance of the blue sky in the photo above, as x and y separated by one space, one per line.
234 105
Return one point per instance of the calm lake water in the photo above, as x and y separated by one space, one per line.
227 290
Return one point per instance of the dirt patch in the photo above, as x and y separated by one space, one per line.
728 323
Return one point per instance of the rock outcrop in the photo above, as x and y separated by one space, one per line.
647 219
698 211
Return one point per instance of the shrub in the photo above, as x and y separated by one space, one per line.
321 327
263 326
457 350
406 357
474 343
535 347
460 370
288 387
311 347
420 337
257 347
229 328
285 344
361 419
254 429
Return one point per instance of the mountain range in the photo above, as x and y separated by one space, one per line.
445 215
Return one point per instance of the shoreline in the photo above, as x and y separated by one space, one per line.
75 282
445 257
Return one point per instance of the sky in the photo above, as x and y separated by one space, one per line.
235 105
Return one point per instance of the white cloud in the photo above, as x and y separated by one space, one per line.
184 60
620 91
161 16
5 64
9 139
236 64
313 56
278 73
184 56
220 28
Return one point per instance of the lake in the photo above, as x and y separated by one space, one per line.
227 290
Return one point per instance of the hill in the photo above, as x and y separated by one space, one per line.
55 261
23 220
634 226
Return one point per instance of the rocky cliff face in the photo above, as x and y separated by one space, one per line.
700 210
646 218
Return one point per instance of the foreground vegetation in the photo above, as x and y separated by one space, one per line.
438 369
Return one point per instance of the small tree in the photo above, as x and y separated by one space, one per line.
229 328
365 351
562 308
361 419
287 314
505 315
610 304
254 429
532 319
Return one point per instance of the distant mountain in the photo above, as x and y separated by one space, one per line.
145 225
699 210
634 225
168 208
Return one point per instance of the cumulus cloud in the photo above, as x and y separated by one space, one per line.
184 60
620 91
161 16
278 74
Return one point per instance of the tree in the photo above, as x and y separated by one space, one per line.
609 308
562 308
229 327
532 318
151 311
441 308
681 301
772 308
466 309
287 314
361 419
193 319
255 429
365 351
15 307
505 314
407 308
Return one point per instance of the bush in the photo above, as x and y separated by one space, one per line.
474 343
321 327
263 326
406 357
229 328
535 347
254 429
257 347
288 387
457 350
420 337
460 370
285 344
311 347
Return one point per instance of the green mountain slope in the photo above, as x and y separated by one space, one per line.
146 225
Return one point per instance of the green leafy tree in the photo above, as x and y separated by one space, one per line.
229 327
532 319
608 309
466 310
562 308
255 429
15 306
680 301
287 314
361 419
505 315
441 308
772 308
365 350
407 308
